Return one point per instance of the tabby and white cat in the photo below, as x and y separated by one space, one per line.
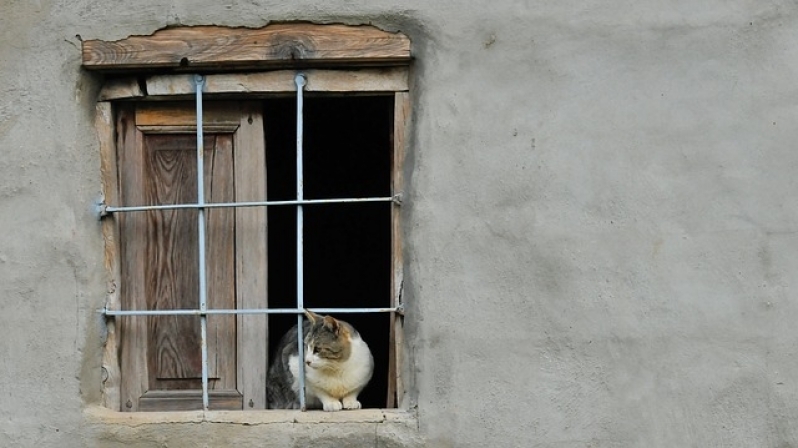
338 365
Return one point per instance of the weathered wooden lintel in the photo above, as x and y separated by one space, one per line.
216 47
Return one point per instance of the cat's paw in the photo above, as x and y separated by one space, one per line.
351 403
331 405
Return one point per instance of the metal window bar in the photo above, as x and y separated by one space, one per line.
193 312
107 209
300 81
200 82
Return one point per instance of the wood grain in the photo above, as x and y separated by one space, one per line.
189 400
273 45
220 260
399 341
184 115
173 277
251 256
399 136
391 79
160 254
132 329
114 89
104 124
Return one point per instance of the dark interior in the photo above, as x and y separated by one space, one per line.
347 247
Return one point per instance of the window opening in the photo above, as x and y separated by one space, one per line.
320 221
347 250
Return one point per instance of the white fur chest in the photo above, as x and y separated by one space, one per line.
346 378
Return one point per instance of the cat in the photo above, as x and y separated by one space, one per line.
338 365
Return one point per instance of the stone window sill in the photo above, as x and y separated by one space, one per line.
369 428
102 415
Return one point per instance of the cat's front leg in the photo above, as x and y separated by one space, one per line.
331 405
350 401
328 403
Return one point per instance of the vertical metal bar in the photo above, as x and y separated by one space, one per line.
299 79
199 80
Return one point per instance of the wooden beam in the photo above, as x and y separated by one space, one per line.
189 400
251 263
115 89
131 329
401 118
220 116
218 47
402 129
104 124
392 79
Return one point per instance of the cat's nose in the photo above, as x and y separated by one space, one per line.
307 362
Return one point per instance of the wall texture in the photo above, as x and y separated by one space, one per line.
601 239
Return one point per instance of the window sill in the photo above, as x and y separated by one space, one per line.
264 429
102 415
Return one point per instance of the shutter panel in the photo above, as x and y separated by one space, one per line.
161 359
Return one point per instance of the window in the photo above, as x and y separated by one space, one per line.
355 119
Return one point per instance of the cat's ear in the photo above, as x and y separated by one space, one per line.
332 324
312 317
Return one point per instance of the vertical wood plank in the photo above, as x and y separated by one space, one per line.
172 275
251 256
132 329
390 402
399 341
403 133
220 261
104 124
171 278
400 134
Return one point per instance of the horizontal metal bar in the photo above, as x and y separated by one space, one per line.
184 312
111 209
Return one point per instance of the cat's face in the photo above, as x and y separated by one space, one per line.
327 344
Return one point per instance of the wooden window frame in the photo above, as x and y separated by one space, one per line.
335 58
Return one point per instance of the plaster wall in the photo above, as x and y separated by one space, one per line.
601 224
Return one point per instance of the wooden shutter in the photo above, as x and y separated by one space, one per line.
160 356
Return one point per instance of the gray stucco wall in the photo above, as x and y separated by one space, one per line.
601 223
